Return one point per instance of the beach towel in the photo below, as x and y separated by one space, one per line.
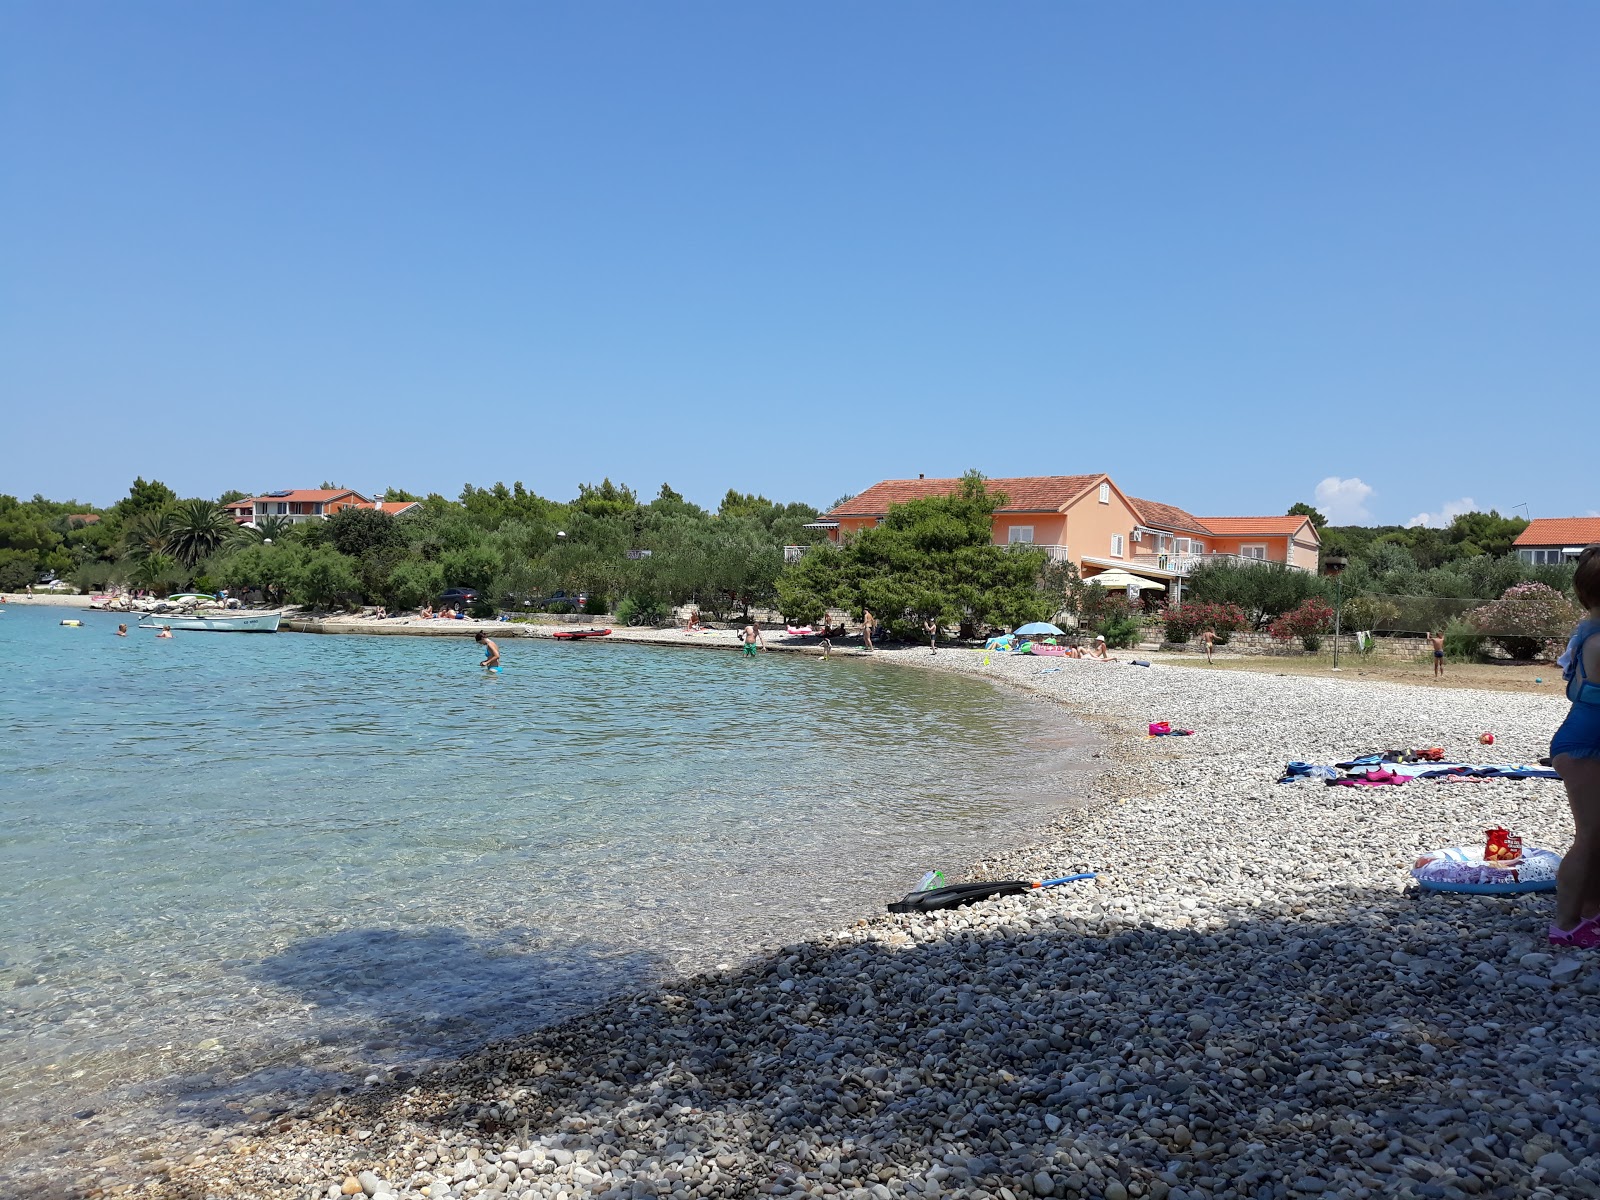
1305 770
1377 777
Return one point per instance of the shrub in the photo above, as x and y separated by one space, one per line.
483 609
1120 630
1308 623
1462 641
595 604
1183 621
1525 618
644 610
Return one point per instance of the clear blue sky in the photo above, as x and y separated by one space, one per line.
1226 252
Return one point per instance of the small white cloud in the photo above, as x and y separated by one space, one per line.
1448 511
1343 501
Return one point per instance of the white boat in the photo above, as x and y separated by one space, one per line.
232 623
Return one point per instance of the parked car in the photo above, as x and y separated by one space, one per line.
457 597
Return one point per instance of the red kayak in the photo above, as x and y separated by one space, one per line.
572 635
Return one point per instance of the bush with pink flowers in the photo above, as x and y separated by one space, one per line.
1526 620
1308 623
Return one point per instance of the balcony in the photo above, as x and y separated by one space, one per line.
1183 564
1053 553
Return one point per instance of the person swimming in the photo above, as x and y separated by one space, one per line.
122 631
491 652
164 632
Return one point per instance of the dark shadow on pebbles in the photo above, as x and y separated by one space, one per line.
1032 1046
383 1001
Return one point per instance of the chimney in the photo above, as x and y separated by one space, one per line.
920 475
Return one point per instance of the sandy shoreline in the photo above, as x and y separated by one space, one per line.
1246 1004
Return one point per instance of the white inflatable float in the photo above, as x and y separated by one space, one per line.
1464 869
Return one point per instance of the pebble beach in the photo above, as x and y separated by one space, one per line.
1247 1002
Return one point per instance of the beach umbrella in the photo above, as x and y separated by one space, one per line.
1037 627
1121 579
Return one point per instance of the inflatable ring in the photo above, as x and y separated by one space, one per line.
1463 869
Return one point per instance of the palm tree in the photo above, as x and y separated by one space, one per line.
197 529
145 534
270 529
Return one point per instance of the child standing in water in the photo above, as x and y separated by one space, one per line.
491 652
1575 754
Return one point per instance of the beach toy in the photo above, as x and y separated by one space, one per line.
72 623
1465 869
1486 739
1538 679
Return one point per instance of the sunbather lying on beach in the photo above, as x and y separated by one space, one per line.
427 612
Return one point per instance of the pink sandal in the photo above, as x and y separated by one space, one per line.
1585 935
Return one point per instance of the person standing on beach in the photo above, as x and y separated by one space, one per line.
752 638
1575 754
1209 637
1436 640
931 628
491 652
866 628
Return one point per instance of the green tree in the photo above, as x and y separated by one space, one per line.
1302 509
196 529
930 558
18 569
232 494
355 531
143 497
324 578
414 583
1264 591
145 534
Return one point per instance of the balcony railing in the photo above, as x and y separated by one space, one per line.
1183 564
1053 553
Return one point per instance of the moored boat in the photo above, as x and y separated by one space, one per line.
256 622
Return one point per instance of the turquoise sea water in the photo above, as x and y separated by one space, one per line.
238 869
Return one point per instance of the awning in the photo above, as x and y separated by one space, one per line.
1121 579
821 525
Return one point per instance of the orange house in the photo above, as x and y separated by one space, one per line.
296 504
1089 521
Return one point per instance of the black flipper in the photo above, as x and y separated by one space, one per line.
958 894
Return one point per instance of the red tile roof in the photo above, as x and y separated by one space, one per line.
1560 531
395 507
1256 526
1167 516
1040 493
306 496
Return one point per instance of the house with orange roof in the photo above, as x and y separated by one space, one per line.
1549 540
296 505
1089 521
309 504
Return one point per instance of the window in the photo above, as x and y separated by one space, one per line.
1116 545
1019 535
1182 545
1259 552
1105 493
1542 558
283 508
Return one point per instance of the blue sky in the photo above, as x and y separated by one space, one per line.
1230 253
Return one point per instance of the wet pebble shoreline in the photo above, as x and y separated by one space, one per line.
1246 1003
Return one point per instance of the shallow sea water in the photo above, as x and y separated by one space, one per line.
237 870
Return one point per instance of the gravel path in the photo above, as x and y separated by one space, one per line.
1246 1004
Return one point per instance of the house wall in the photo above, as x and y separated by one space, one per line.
1049 528
1277 547
1304 554
1090 526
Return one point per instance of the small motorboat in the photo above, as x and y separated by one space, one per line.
572 635
258 622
